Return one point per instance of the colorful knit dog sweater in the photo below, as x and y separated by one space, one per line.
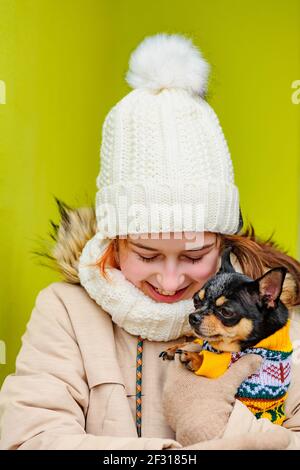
264 392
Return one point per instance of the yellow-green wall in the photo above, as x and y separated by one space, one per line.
63 63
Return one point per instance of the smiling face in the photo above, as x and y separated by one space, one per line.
169 269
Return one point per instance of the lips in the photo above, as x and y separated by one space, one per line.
166 298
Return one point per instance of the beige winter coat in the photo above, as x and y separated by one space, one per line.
74 386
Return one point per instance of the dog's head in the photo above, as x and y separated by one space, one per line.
234 312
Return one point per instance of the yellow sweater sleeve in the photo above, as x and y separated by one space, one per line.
213 365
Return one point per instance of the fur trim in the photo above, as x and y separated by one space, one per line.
77 226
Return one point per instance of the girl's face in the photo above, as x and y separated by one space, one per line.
168 270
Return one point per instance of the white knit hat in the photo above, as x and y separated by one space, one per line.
165 164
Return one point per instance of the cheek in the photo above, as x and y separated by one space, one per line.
206 268
133 269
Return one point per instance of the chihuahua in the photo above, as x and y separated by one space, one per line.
237 315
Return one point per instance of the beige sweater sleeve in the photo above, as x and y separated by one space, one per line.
242 421
43 405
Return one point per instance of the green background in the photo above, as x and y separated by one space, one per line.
64 62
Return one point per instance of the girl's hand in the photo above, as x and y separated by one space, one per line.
198 408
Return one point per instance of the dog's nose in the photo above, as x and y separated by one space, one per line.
194 318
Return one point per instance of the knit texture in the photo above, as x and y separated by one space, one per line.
264 392
165 163
128 306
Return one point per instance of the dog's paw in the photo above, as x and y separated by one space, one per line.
191 360
169 354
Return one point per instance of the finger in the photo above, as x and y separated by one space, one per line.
241 370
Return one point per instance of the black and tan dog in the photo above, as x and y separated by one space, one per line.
234 312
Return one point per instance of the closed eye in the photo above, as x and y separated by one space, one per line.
152 258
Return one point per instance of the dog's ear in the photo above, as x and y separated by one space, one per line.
226 266
270 286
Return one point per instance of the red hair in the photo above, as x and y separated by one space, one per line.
108 259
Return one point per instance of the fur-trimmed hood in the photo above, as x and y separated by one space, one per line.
68 238
76 227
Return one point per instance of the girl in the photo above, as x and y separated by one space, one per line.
88 374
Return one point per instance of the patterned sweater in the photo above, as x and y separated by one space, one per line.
264 392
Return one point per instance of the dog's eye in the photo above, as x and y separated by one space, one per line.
227 313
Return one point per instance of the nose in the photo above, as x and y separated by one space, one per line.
170 279
195 318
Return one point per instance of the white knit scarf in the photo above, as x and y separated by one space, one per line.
128 306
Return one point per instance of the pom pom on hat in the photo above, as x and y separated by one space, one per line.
168 61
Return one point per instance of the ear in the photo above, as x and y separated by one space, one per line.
270 286
226 266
